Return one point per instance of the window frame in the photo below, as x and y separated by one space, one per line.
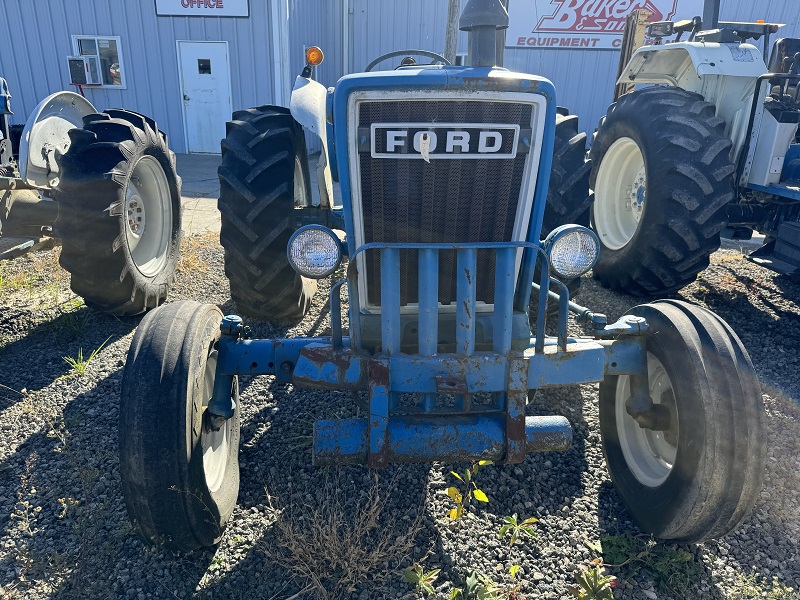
97 39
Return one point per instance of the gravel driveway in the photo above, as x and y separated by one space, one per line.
299 530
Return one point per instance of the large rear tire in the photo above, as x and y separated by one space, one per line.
568 197
662 177
180 480
119 212
697 479
264 173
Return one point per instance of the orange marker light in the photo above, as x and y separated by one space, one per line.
761 21
314 56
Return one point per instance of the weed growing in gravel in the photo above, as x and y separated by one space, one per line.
517 528
463 498
478 586
25 512
421 579
342 539
593 584
756 587
79 364
675 570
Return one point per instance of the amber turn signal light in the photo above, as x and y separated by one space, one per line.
314 56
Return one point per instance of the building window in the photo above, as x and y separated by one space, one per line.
104 55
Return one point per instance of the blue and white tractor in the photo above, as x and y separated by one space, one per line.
105 184
444 174
709 147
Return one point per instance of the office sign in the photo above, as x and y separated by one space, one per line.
587 24
203 8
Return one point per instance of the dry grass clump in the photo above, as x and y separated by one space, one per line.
191 260
342 540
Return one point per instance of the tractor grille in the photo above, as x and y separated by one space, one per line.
408 200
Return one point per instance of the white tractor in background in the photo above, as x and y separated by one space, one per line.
709 147
106 185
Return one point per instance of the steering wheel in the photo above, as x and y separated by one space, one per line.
425 53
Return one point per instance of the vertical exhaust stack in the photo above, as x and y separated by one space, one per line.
482 19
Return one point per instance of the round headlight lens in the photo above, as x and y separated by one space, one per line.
314 251
573 250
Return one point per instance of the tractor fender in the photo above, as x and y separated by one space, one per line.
682 64
46 133
308 107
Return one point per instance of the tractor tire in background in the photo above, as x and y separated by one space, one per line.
568 198
696 475
662 177
264 173
119 212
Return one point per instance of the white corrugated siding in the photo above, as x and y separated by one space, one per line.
37 39
584 79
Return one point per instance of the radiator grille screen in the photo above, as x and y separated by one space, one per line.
447 201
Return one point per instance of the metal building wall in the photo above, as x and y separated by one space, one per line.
317 23
584 79
37 40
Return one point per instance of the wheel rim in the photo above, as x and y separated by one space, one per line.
650 455
299 183
213 443
620 193
148 216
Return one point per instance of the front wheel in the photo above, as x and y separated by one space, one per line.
696 478
180 478
119 212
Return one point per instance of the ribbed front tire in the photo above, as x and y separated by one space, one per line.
697 478
179 478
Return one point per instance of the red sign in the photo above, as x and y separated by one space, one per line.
584 23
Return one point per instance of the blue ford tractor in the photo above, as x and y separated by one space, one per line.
444 174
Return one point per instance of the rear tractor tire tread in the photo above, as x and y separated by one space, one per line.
689 184
256 204
95 172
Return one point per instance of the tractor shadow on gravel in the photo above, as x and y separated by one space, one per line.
35 361
62 515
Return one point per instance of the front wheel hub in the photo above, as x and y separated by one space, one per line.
649 450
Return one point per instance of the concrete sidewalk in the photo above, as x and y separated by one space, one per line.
200 192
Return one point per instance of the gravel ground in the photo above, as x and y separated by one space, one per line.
298 529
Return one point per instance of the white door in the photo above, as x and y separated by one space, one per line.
206 89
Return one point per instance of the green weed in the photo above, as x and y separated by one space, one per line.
463 498
675 570
517 528
593 585
421 579
80 364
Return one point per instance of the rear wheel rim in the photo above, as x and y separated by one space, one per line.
215 444
620 192
650 455
148 216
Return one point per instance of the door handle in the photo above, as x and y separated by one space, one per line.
186 98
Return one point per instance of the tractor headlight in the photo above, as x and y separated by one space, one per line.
572 249
314 251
